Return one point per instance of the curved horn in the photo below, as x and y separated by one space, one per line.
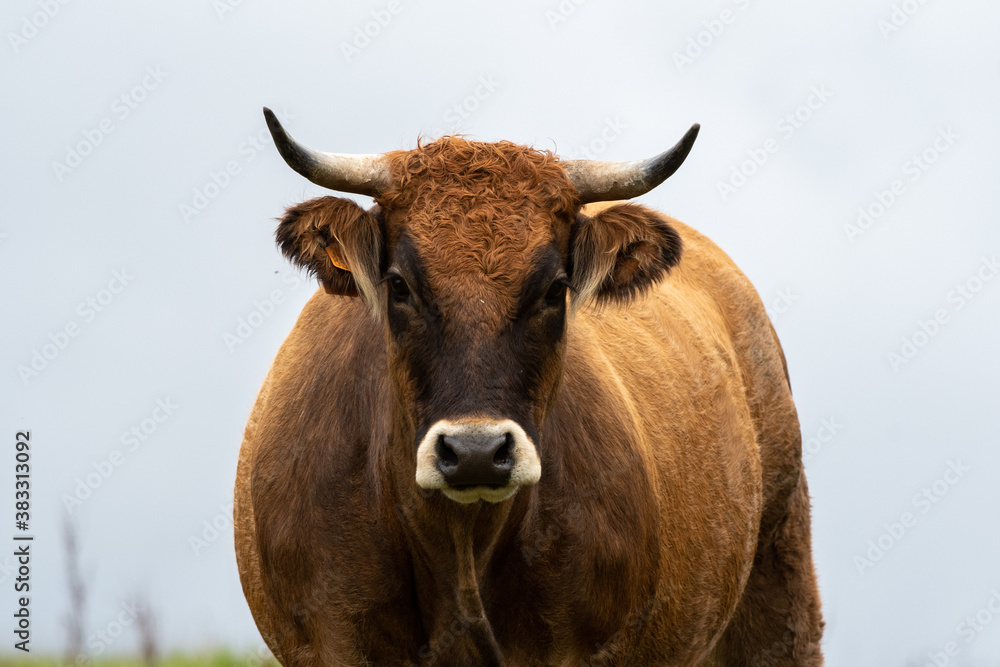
360 174
605 181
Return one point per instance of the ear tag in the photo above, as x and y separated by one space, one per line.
337 262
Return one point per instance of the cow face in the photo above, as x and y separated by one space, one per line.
472 260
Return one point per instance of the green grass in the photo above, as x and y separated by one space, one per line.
217 659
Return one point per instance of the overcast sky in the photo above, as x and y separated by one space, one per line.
847 162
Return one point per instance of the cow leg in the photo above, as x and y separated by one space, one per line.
778 623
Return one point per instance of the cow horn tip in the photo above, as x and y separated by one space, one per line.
692 133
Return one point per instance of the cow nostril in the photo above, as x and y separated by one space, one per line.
447 458
503 457
475 459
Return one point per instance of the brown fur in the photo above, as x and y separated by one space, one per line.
474 211
671 522
312 229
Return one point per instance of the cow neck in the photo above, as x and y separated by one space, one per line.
452 547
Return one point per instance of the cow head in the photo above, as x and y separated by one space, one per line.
471 258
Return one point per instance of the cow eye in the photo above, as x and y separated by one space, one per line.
398 288
557 292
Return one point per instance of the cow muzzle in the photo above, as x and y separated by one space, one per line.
477 459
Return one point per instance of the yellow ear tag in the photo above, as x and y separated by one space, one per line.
337 262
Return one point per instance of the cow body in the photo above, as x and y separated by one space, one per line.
670 525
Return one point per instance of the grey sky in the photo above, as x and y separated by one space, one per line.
597 79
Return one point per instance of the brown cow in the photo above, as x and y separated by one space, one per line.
514 431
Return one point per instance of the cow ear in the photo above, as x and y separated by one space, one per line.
336 240
619 252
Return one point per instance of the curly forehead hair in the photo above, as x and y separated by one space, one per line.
474 207
458 171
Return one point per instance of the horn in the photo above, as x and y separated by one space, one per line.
360 174
605 181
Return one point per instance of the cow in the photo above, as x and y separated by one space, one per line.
523 421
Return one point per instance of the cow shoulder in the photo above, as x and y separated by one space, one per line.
759 360
309 479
